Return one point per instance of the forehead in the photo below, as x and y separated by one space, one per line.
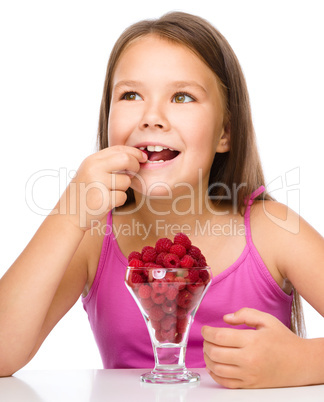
152 54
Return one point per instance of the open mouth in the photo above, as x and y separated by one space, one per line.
159 153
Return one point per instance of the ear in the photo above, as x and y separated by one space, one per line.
224 144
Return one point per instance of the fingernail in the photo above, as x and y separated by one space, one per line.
229 316
144 154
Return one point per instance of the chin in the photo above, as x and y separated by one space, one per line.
152 190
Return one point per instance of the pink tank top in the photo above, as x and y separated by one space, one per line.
119 328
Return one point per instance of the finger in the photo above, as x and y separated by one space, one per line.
118 199
250 317
121 149
121 163
223 371
122 159
111 182
221 354
232 383
229 337
118 181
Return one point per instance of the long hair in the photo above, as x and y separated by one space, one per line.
239 171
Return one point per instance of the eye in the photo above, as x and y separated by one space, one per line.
131 96
182 97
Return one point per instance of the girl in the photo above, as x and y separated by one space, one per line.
177 153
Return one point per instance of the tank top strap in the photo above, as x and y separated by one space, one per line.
249 202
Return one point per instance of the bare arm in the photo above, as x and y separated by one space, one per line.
28 287
50 274
270 355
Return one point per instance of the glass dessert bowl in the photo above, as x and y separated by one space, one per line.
168 299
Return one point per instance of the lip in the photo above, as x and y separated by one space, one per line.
145 144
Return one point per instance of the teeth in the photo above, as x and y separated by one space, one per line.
151 148
155 148
158 148
160 161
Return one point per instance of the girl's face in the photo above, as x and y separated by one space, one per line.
166 101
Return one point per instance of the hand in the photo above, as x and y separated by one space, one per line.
100 185
269 356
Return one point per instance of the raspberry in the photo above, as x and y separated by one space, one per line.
193 275
152 265
156 313
181 313
169 306
146 248
158 336
149 254
204 276
147 304
144 292
185 299
170 276
160 286
135 263
197 287
160 256
169 335
134 255
172 292
156 325
144 273
194 252
202 262
135 278
157 297
182 325
180 282
187 261
178 249
178 338
181 238
163 245
168 322
171 261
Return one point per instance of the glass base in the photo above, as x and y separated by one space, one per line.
170 377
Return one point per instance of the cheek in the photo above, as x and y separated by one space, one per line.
201 126
116 128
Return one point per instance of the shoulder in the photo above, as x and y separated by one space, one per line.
278 219
275 216
291 241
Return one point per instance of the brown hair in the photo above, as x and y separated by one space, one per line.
241 166
238 170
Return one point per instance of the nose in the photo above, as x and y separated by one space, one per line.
154 117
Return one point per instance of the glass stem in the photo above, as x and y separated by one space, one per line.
169 358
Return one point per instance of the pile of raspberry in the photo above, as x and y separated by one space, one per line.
168 296
168 254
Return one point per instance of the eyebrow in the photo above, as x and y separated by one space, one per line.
127 83
177 84
184 84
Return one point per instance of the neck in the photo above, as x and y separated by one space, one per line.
166 216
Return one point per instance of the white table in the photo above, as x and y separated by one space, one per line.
124 385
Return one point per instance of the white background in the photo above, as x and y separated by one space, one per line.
53 62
